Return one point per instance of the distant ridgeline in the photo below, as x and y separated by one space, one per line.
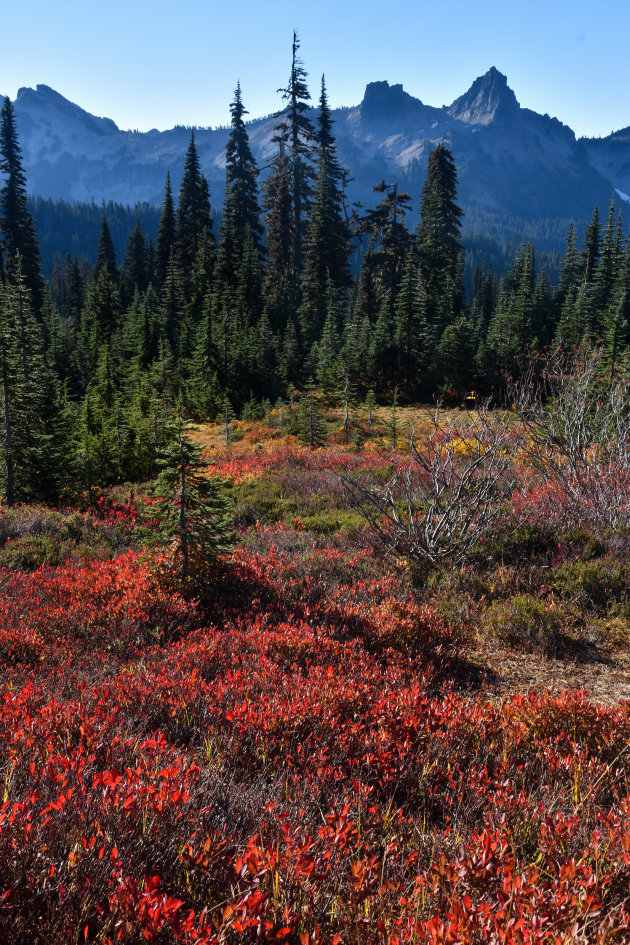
294 286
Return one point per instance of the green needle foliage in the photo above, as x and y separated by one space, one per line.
193 515
309 422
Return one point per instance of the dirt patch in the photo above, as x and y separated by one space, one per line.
605 678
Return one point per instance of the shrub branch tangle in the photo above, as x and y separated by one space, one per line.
576 416
435 508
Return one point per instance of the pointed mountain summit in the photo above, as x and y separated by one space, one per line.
487 97
44 101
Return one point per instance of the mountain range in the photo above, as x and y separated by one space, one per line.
512 162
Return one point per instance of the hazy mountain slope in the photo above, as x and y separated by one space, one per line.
511 161
611 157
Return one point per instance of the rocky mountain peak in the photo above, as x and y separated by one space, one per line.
385 102
487 97
44 100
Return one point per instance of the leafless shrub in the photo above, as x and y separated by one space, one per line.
575 415
436 507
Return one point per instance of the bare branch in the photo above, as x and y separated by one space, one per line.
576 419
435 508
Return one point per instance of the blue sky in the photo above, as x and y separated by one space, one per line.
156 64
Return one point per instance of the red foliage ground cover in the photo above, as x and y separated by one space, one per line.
282 761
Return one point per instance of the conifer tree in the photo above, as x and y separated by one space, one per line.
381 361
309 423
569 271
512 328
327 349
289 354
616 325
327 244
295 135
279 283
135 268
347 396
75 292
11 390
228 416
389 243
105 253
241 173
438 240
605 274
18 240
194 221
365 304
369 407
237 285
99 320
394 426
204 397
455 361
617 316
266 358
575 317
167 232
411 333
24 385
172 303
201 282
589 256
501 347
543 320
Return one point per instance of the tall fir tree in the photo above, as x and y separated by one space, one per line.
389 244
589 256
295 136
327 239
605 274
75 292
411 341
438 242
238 270
28 398
105 253
18 239
99 320
279 283
167 233
134 274
193 220
569 270
241 175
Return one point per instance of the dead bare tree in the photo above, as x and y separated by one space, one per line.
435 508
575 415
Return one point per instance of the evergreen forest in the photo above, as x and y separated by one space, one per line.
286 288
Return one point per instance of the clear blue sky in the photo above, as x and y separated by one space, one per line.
156 64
